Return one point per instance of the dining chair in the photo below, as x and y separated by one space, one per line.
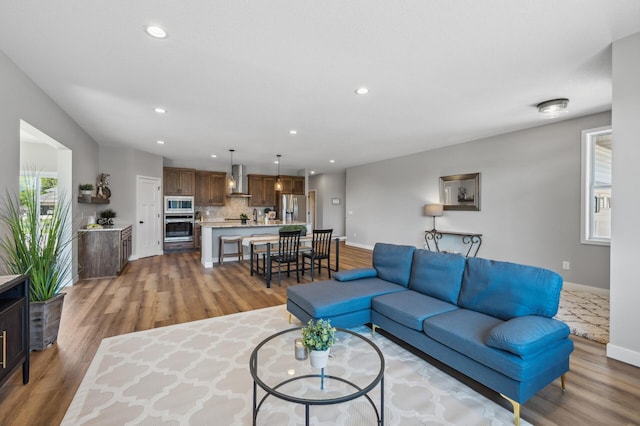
288 252
320 249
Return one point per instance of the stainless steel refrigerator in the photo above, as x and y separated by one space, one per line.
293 208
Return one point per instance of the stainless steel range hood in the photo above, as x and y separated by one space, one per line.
237 171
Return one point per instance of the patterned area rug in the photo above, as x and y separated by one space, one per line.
197 373
587 314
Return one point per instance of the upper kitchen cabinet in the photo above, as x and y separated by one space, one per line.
178 181
262 190
210 188
293 185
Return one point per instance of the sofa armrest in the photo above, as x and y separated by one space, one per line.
355 274
527 335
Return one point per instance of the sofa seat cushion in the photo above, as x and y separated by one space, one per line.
393 262
527 335
410 308
466 332
508 290
329 298
437 274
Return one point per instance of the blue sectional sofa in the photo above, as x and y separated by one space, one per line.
492 321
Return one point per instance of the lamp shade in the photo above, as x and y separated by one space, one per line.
433 209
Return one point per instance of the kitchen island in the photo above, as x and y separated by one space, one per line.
212 231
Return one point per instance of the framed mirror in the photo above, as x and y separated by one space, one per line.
460 192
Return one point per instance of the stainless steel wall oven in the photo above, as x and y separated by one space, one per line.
178 227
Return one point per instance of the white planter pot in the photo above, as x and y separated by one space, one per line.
319 359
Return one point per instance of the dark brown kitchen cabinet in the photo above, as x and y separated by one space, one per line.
14 326
293 185
103 252
197 236
210 188
179 181
262 190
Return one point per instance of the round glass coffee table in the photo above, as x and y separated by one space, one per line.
355 368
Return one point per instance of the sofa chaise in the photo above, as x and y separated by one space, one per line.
492 321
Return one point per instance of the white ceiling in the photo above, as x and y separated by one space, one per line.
240 74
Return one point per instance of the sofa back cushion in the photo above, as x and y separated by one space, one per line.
508 290
437 274
393 262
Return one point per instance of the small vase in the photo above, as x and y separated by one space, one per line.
319 359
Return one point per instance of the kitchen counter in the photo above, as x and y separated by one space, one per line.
212 231
115 227
249 224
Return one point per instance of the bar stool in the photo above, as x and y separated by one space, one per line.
228 239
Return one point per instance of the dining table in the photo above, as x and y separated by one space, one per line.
267 243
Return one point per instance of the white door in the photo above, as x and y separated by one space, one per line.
148 226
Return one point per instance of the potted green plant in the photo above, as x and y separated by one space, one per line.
106 217
289 228
38 246
86 189
318 337
243 218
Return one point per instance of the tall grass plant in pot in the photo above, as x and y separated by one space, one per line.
38 246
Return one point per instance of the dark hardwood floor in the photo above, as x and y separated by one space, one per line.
175 288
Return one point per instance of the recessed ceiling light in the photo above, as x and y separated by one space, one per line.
155 31
554 106
332 161
214 156
160 110
362 91
276 161
160 142
293 132
312 172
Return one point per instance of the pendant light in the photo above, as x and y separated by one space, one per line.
278 186
232 181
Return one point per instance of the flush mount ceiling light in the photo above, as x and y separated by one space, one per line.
155 31
362 91
160 142
231 182
553 106
214 156
332 161
278 185
160 110
293 132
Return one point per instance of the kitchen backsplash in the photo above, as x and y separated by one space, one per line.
233 208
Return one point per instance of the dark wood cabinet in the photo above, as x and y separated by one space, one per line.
210 188
103 252
293 185
262 190
179 181
14 326
197 236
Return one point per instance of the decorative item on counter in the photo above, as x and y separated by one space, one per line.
106 217
243 218
103 189
318 337
86 189
266 215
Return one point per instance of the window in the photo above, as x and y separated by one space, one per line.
45 185
597 149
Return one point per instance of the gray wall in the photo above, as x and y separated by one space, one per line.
328 215
530 199
625 291
22 99
123 165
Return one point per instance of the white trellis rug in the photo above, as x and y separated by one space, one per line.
197 373
586 314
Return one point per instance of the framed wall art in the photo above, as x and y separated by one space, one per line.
460 192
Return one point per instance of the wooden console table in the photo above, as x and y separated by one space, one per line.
469 239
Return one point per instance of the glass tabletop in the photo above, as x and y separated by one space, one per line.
355 366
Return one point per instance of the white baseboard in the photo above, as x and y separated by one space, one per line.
587 288
623 354
362 246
